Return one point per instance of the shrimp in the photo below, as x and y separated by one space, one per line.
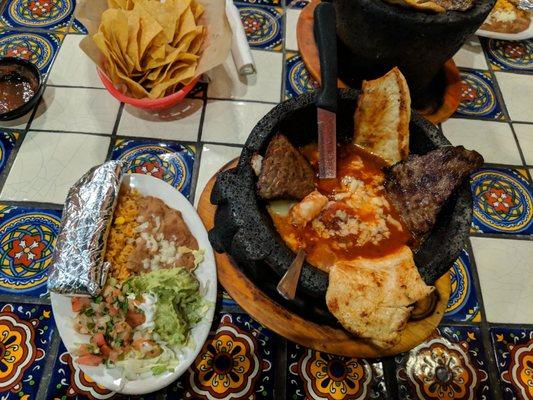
307 209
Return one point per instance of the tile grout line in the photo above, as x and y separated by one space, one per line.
52 355
492 369
199 149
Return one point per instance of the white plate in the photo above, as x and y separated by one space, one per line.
205 272
527 34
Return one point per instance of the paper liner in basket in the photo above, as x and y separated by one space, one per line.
215 48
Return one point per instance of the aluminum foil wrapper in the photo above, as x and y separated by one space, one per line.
78 266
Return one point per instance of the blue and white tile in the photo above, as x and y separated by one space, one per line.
236 362
506 278
516 91
494 140
213 158
69 381
291 22
450 364
27 240
76 110
73 67
513 349
170 162
263 26
25 334
226 83
508 55
502 201
182 122
524 133
8 140
78 27
462 304
41 14
478 96
298 80
471 55
38 48
48 164
231 121
316 375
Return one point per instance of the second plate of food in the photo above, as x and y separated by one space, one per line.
149 323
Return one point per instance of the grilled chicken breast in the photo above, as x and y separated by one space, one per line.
372 297
382 117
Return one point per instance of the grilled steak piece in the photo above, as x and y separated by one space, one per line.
285 173
419 186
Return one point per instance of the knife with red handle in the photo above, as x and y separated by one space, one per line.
326 101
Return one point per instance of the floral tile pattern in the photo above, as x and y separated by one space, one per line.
7 143
78 27
314 375
39 48
263 26
513 349
463 304
478 97
450 364
25 334
236 362
43 14
503 201
170 162
27 239
68 380
298 80
509 56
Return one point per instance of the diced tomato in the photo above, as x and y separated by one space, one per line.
135 318
89 359
98 339
83 350
112 310
106 350
79 303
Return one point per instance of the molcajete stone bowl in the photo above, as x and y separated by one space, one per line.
244 230
376 36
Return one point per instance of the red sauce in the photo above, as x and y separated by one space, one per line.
17 87
325 252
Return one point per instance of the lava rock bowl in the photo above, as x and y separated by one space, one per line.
376 36
243 228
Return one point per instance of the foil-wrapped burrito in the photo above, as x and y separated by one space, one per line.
78 265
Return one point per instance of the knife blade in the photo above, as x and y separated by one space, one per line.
326 101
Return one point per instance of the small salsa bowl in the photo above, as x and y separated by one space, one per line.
147 104
30 69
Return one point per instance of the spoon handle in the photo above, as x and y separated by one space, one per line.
289 282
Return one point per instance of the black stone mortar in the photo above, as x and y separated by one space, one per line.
244 229
376 36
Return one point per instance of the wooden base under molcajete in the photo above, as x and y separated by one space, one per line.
304 331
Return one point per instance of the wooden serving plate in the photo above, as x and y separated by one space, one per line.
450 98
302 331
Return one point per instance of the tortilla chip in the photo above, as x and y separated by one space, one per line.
181 76
150 47
123 4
